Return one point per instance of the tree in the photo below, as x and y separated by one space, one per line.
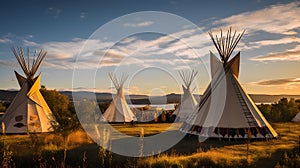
292 110
265 109
103 107
61 109
2 107
284 110
298 103
87 111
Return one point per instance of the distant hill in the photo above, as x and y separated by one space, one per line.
7 96
101 97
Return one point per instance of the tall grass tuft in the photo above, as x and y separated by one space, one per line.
66 142
8 161
84 160
291 159
105 143
110 156
141 143
36 147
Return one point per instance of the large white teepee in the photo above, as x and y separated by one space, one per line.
240 118
188 102
118 110
28 112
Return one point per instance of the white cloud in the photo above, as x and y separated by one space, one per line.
140 24
29 43
290 33
275 82
29 36
55 12
134 90
285 40
9 63
128 40
279 19
186 44
5 40
10 38
182 67
129 51
83 15
288 55
62 55
280 56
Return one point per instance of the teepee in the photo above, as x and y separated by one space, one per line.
188 102
226 110
118 110
28 112
296 118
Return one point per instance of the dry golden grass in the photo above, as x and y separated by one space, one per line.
149 129
219 154
78 138
46 141
233 155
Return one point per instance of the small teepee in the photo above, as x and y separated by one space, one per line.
28 112
188 102
118 110
225 109
296 118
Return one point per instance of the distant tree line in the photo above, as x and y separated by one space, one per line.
282 111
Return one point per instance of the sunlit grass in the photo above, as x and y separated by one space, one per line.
49 141
211 153
233 155
149 129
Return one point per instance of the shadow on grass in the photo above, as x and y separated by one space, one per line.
87 154
190 144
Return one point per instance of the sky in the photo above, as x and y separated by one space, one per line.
151 41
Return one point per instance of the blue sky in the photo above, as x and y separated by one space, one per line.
270 48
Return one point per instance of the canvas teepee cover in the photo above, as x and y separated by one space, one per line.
118 110
240 117
296 118
188 102
28 111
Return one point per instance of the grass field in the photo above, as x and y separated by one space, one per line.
78 150
234 153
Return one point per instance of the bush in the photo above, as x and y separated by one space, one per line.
2 107
282 111
62 109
